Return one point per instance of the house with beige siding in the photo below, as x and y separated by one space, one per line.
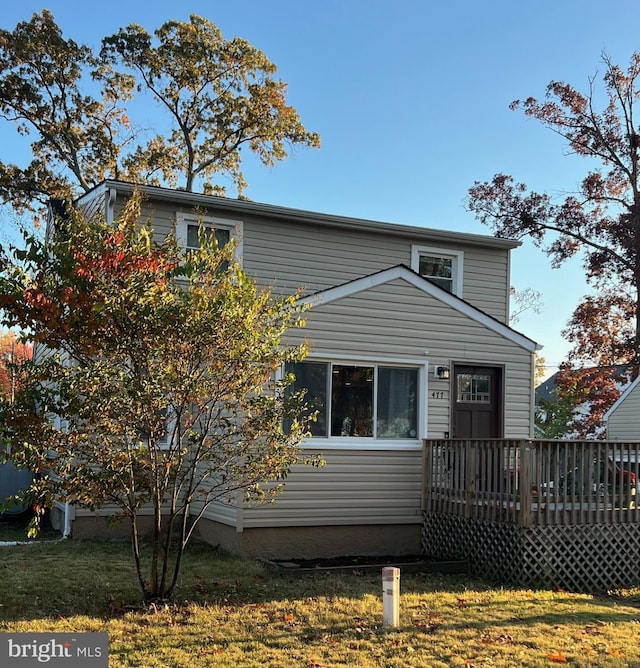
409 339
623 418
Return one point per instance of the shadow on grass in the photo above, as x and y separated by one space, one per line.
64 578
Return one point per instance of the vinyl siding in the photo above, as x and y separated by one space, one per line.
624 422
397 320
96 206
225 513
314 259
302 257
394 320
355 487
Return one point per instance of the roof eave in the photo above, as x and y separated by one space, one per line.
236 206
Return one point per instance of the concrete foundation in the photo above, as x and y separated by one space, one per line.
99 527
313 542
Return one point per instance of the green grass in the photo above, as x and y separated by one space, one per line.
232 613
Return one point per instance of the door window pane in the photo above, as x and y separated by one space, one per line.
397 404
473 388
352 401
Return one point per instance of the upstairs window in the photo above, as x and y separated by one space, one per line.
222 235
188 230
442 267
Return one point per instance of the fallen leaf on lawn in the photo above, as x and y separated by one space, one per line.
427 627
558 657
288 618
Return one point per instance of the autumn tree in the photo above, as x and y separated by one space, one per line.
160 367
14 353
76 105
220 96
600 222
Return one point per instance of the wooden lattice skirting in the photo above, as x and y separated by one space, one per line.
586 558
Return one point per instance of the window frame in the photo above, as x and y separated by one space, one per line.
329 442
235 227
457 264
167 442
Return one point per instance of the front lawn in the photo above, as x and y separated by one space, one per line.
235 614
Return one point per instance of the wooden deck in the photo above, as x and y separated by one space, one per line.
560 513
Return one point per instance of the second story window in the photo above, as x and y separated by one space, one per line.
222 234
441 266
224 229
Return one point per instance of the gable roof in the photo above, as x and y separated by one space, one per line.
238 207
627 390
404 273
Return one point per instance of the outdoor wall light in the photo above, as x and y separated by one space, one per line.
442 372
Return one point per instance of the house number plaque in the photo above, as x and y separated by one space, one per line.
440 394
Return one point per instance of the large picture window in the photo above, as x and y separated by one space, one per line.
359 401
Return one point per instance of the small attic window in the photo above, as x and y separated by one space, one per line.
441 266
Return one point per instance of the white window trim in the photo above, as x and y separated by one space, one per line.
457 264
365 443
168 443
235 227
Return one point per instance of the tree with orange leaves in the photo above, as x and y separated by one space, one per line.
159 367
14 353
600 222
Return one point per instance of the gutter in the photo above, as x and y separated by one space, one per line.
240 207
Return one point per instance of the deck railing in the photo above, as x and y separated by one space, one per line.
533 482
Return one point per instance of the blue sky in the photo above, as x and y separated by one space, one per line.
410 98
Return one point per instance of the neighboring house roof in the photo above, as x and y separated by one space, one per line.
623 396
403 272
546 390
239 207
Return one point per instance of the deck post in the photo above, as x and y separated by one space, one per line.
470 452
526 480
427 466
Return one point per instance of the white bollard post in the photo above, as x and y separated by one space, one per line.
390 596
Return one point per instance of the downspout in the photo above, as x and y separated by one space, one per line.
67 521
